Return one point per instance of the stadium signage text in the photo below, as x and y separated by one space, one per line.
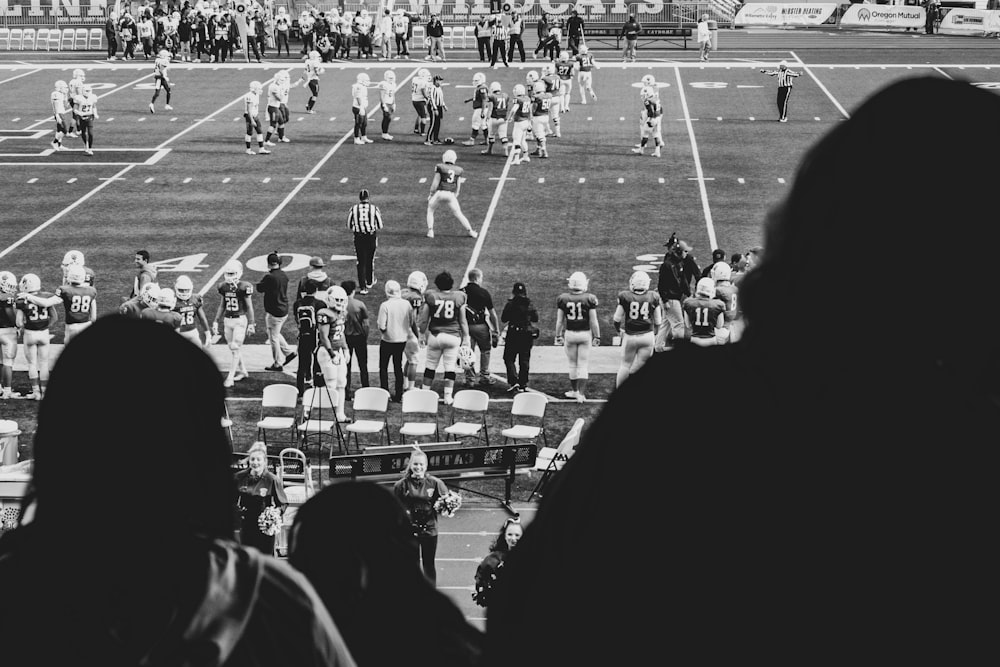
883 16
585 7
49 7
759 13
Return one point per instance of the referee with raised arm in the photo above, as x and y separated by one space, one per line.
365 220
785 77
501 32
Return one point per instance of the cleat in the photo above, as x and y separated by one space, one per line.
250 151
782 120
526 159
373 283
544 156
310 111
264 151
473 233
168 107
270 143
241 375
417 132
580 398
656 153
228 383
387 137
152 109
54 145
486 152
368 141
570 394
88 152
637 151
363 291
359 141
469 142
285 140
516 161
430 233
428 143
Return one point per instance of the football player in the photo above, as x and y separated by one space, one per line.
61 113
540 105
76 90
496 110
310 75
577 328
650 121
416 285
520 117
359 106
8 332
86 114
79 302
75 257
638 313
480 93
551 81
418 96
164 310
445 186
161 80
444 328
704 314
34 322
277 107
251 116
565 69
149 293
237 306
728 294
331 354
584 73
387 100
194 321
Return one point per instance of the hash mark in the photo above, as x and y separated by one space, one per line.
226 179
187 180
72 180
32 180
148 180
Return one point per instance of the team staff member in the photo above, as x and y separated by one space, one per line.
356 335
785 77
274 287
365 220
677 272
484 325
574 29
516 29
305 309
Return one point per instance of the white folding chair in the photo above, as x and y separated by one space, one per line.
42 40
277 411
418 35
447 39
417 402
15 38
96 40
295 476
80 39
68 40
54 38
471 405
5 37
528 406
551 459
370 409
28 39
458 36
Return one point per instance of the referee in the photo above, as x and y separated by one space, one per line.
785 77
365 220
501 32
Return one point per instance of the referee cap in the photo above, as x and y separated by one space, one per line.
364 194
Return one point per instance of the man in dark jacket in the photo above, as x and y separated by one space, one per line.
274 287
630 33
678 271
574 28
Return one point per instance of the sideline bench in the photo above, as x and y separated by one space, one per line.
604 33
445 460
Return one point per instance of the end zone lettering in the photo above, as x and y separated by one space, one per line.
21 8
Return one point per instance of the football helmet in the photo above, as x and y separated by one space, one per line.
577 282
478 79
449 157
548 69
71 258
8 282
232 271
706 288
363 79
417 280
75 275
639 282
256 87
648 80
88 89
584 49
389 76
423 73
647 93
314 55
538 87
150 294
164 53
466 357
721 271
183 287
79 74
30 283
564 57
167 299
282 76
531 76
519 90
336 298
62 86
495 87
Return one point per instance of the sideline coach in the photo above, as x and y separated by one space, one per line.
365 220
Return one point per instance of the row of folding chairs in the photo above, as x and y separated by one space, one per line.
51 39
455 37
314 421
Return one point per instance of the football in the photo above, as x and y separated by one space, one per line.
449 140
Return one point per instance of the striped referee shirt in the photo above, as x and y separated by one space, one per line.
364 218
785 77
435 96
500 31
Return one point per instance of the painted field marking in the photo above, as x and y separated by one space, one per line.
541 179
186 180
32 180
383 180
422 179
741 180
20 75
697 164
781 180
583 180
819 83
148 180
621 180
662 180
344 179
490 212
224 181
266 180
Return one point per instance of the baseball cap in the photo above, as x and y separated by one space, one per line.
274 258
718 255
519 289
683 245
438 77
316 262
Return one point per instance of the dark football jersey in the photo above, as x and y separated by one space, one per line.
188 311
729 295
169 317
443 309
325 317
639 310
6 314
36 318
77 302
577 309
235 297
703 314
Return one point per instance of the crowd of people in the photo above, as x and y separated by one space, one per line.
839 512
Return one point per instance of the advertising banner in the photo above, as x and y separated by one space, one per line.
883 16
782 14
970 21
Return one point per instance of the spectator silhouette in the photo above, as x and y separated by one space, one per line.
840 509
128 558
354 542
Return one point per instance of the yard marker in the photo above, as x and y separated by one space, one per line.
187 180
781 180
741 180
590 118
72 180
383 180
148 180
422 180
697 163
266 180
32 180
225 180
583 180
662 180
142 118
344 179
107 121
718 118
14 120
752 118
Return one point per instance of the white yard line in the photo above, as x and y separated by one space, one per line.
478 248
291 195
819 83
700 174
42 227
20 75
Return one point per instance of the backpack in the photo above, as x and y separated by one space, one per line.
305 316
